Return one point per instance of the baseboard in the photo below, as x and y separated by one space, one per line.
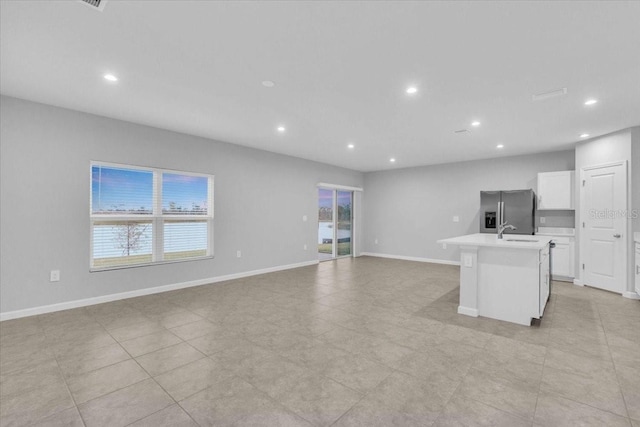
473 312
410 258
563 279
578 282
142 292
631 295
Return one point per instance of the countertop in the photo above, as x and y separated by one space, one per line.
491 240
556 232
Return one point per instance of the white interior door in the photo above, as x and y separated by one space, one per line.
604 227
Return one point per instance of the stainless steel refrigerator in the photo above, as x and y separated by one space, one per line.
518 209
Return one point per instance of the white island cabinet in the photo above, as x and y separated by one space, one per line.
505 279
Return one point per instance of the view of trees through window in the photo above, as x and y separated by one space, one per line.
332 227
131 208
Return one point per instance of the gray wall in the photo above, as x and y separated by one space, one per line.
605 149
408 210
45 151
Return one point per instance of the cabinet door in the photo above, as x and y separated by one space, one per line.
638 268
561 260
544 283
555 190
572 259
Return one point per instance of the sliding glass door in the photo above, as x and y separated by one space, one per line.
344 202
325 224
335 214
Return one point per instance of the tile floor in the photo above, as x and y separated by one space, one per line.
354 342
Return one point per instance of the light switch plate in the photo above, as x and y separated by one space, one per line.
543 220
456 218
54 276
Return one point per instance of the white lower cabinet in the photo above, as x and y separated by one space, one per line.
637 267
544 279
563 259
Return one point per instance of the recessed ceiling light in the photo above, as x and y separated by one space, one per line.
351 146
499 146
476 123
590 101
110 77
281 129
392 160
411 90
584 135
268 83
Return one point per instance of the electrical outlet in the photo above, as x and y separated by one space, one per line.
304 218
54 276
305 247
542 220
239 254
376 241
468 261
456 218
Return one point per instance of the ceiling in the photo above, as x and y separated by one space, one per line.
341 71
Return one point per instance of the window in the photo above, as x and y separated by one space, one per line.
142 216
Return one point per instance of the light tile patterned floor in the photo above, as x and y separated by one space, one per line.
353 342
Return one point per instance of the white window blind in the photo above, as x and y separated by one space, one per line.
143 216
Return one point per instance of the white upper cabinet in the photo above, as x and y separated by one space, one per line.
556 190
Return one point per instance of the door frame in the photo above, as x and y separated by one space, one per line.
584 214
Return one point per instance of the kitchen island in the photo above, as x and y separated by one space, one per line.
506 279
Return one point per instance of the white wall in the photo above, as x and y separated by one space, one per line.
45 151
408 210
606 149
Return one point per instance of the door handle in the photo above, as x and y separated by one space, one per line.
617 236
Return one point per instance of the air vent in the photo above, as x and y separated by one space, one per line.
94 4
547 95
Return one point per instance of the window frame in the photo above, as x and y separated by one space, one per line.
156 217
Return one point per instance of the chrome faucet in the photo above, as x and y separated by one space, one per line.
504 226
